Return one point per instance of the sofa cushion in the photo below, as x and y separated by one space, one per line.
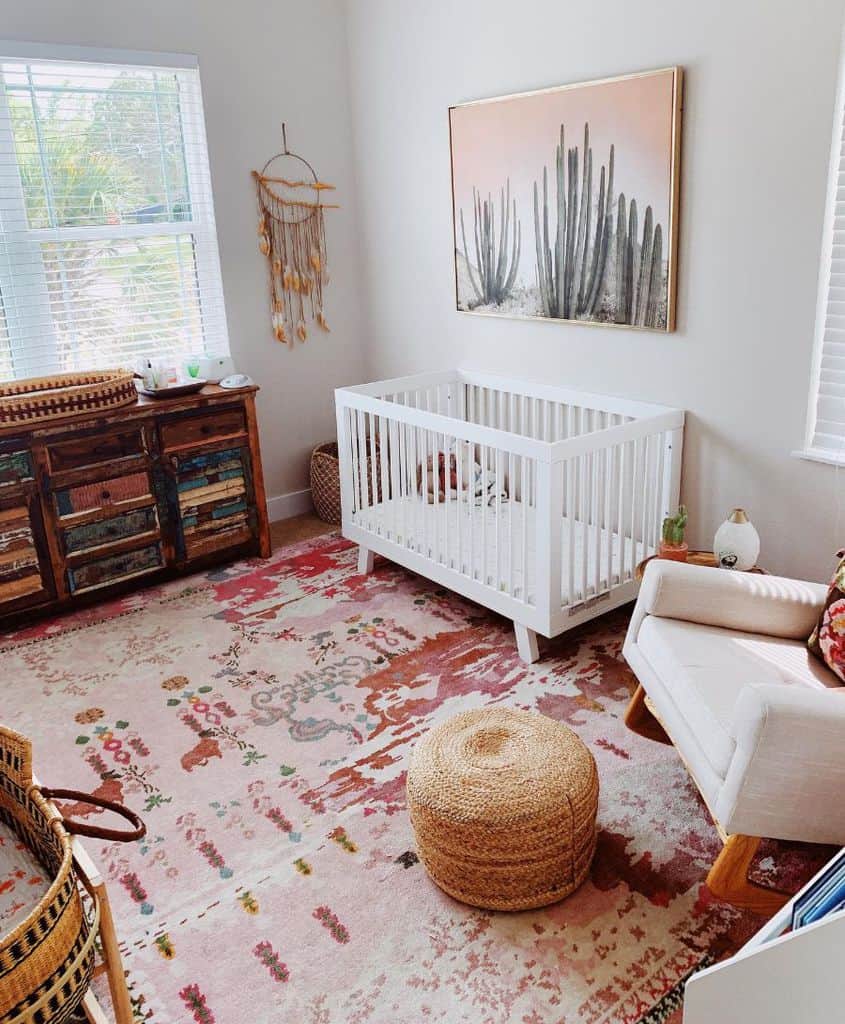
704 669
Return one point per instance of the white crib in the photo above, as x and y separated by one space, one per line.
533 500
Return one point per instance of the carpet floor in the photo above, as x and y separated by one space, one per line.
260 717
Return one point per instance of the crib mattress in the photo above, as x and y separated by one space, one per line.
486 544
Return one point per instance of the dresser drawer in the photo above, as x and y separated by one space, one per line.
19 570
114 528
94 449
214 425
127 565
15 466
24 578
104 493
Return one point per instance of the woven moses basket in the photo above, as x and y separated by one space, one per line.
503 805
46 962
41 399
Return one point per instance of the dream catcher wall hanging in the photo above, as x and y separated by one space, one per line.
292 236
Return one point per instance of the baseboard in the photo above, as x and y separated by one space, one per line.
283 506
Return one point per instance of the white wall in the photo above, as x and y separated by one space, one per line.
760 83
260 63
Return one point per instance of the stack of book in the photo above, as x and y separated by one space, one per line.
825 896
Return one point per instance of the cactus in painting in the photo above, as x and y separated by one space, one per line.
639 267
497 261
571 267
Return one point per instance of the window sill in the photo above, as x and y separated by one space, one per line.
820 455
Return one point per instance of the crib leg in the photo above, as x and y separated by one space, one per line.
365 560
526 643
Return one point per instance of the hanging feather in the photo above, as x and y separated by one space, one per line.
292 237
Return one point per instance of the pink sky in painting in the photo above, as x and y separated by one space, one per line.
515 138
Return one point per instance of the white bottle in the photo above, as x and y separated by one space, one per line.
736 544
149 376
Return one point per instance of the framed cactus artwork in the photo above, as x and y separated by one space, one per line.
565 202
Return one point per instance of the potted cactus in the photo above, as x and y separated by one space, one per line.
672 543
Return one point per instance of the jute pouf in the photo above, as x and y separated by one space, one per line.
503 805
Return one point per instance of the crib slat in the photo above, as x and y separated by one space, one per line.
510 554
384 459
623 533
403 480
523 498
484 514
394 468
659 462
632 503
434 442
459 516
498 510
362 461
419 485
584 504
352 424
594 517
570 533
447 493
644 529
598 513
471 471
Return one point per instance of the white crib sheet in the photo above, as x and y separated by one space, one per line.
455 534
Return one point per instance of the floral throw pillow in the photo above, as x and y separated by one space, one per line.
827 640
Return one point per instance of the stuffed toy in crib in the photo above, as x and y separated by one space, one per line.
477 484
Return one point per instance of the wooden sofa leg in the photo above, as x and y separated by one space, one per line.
728 878
639 719
366 558
526 643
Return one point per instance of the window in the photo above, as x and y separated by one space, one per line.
108 249
826 419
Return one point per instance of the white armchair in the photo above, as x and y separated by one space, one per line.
725 675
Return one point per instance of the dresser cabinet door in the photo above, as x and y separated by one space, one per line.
212 500
25 574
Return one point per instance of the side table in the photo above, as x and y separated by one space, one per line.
699 558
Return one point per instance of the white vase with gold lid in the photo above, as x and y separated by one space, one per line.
736 544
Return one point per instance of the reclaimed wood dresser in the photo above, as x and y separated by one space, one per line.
98 503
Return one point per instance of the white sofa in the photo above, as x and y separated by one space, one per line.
725 675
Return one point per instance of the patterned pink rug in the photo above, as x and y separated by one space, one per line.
261 716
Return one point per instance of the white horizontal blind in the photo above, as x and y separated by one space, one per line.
108 248
826 421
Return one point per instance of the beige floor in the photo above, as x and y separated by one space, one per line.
289 531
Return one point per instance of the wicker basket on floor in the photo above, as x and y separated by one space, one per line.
325 479
503 805
46 962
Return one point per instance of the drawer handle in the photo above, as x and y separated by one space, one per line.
106 495
205 428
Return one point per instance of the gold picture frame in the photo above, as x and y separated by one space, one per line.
536 210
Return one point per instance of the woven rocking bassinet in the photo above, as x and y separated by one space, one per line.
46 962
